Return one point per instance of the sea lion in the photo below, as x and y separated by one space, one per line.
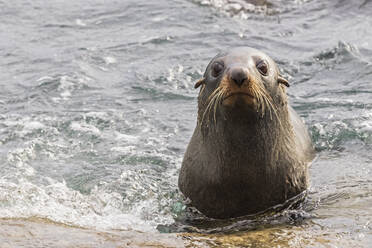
250 150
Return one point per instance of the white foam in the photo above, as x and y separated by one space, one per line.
99 210
233 6
126 137
366 125
110 60
33 125
44 78
124 150
85 128
136 200
80 22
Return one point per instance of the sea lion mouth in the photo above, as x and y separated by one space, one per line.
237 93
240 98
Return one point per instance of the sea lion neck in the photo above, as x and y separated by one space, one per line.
241 127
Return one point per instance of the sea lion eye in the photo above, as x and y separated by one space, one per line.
262 67
217 68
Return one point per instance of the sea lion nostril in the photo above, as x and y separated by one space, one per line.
238 76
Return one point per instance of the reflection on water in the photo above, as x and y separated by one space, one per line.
97 106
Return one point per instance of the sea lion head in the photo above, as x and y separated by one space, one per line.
241 81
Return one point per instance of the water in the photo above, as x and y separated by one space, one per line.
97 106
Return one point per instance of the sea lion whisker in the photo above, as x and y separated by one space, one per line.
267 100
202 89
268 104
260 98
205 112
218 100
215 105
263 102
271 106
214 93
211 99
254 93
261 105
212 103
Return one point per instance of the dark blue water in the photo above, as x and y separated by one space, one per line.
97 106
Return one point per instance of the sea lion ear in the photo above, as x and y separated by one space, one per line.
282 80
199 82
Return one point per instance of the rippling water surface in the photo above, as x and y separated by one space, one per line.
97 106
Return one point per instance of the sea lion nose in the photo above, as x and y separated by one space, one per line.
238 76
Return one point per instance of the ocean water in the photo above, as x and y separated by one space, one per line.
97 106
